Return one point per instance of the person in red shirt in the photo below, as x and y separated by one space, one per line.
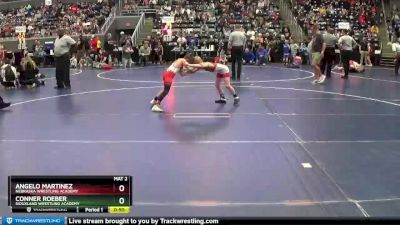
93 43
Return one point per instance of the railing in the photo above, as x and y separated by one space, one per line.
109 20
137 12
288 14
385 14
138 29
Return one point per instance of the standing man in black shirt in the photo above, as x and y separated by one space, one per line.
109 46
346 43
62 48
237 43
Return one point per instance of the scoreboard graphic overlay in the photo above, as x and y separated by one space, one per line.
74 194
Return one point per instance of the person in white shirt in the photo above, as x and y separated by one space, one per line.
8 74
62 48
346 44
396 49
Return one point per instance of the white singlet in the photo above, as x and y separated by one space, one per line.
172 68
221 69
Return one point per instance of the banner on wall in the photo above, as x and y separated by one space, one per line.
344 26
167 19
20 29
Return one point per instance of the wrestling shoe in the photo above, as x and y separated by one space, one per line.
157 108
321 79
236 100
221 101
4 105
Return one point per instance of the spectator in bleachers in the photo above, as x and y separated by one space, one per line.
374 29
248 57
123 38
181 41
294 49
223 57
94 43
361 14
42 20
135 55
144 53
74 61
286 52
159 52
262 55
304 53
127 52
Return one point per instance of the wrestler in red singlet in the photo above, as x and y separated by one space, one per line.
168 77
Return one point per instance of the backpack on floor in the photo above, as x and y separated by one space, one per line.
9 75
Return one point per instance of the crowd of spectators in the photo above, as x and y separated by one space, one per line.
363 16
42 21
19 71
135 4
120 52
200 24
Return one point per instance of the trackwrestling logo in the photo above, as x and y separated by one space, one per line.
34 220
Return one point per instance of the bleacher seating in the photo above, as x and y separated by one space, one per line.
43 21
362 15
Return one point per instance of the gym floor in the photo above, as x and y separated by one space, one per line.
289 148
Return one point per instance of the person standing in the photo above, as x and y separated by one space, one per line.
396 49
329 57
62 48
144 53
364 52
346 43
317 52
127 52
237 44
